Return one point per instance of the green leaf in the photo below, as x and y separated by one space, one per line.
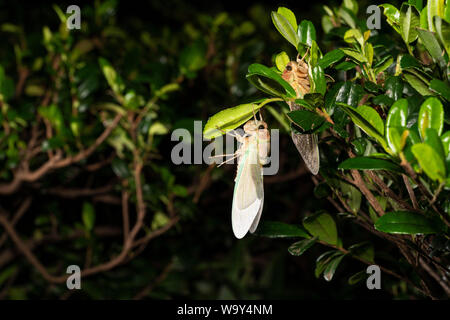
368 163
322 225
434 8
416 3
418 84
445 138
383 64
229 119
441 88
443 32
285 28
281 60
431 115
331 267
298 248
396 124
405 222
409 20
430 42
113 79
429 161
393 16
318 81
289 15
324 259
268 81
348 16
363 250
408 61
88 216
330 58
366 125
274 229
352 194
306 120
433 140
351 5
394 87
346 65
354 54
353 36
349 93
372 116
193 58
306 32
357 277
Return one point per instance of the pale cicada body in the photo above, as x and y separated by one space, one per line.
248 197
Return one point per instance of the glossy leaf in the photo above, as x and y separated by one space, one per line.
393 15
430 161
281 60
417 83
360 120
409 21
269 81
433 140
298 248
363 250
372 116
322 225
432 45
434 8
318 83
330 58
273 229
405 222
443 32
445 139
395 124
330 270
306 32
228 119
306 120
441 87
431 115
285 28
368 163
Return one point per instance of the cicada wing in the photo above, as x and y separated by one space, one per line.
255 223
248 194
307 146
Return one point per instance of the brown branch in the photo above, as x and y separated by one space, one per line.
19 213
71 193
125 211
411 193
435 276
55 162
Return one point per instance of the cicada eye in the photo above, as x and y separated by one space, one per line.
289 68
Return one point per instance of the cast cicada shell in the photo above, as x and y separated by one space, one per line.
296 73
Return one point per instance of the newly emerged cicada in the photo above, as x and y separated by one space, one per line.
296 73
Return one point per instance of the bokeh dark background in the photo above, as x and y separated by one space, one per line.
207 262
